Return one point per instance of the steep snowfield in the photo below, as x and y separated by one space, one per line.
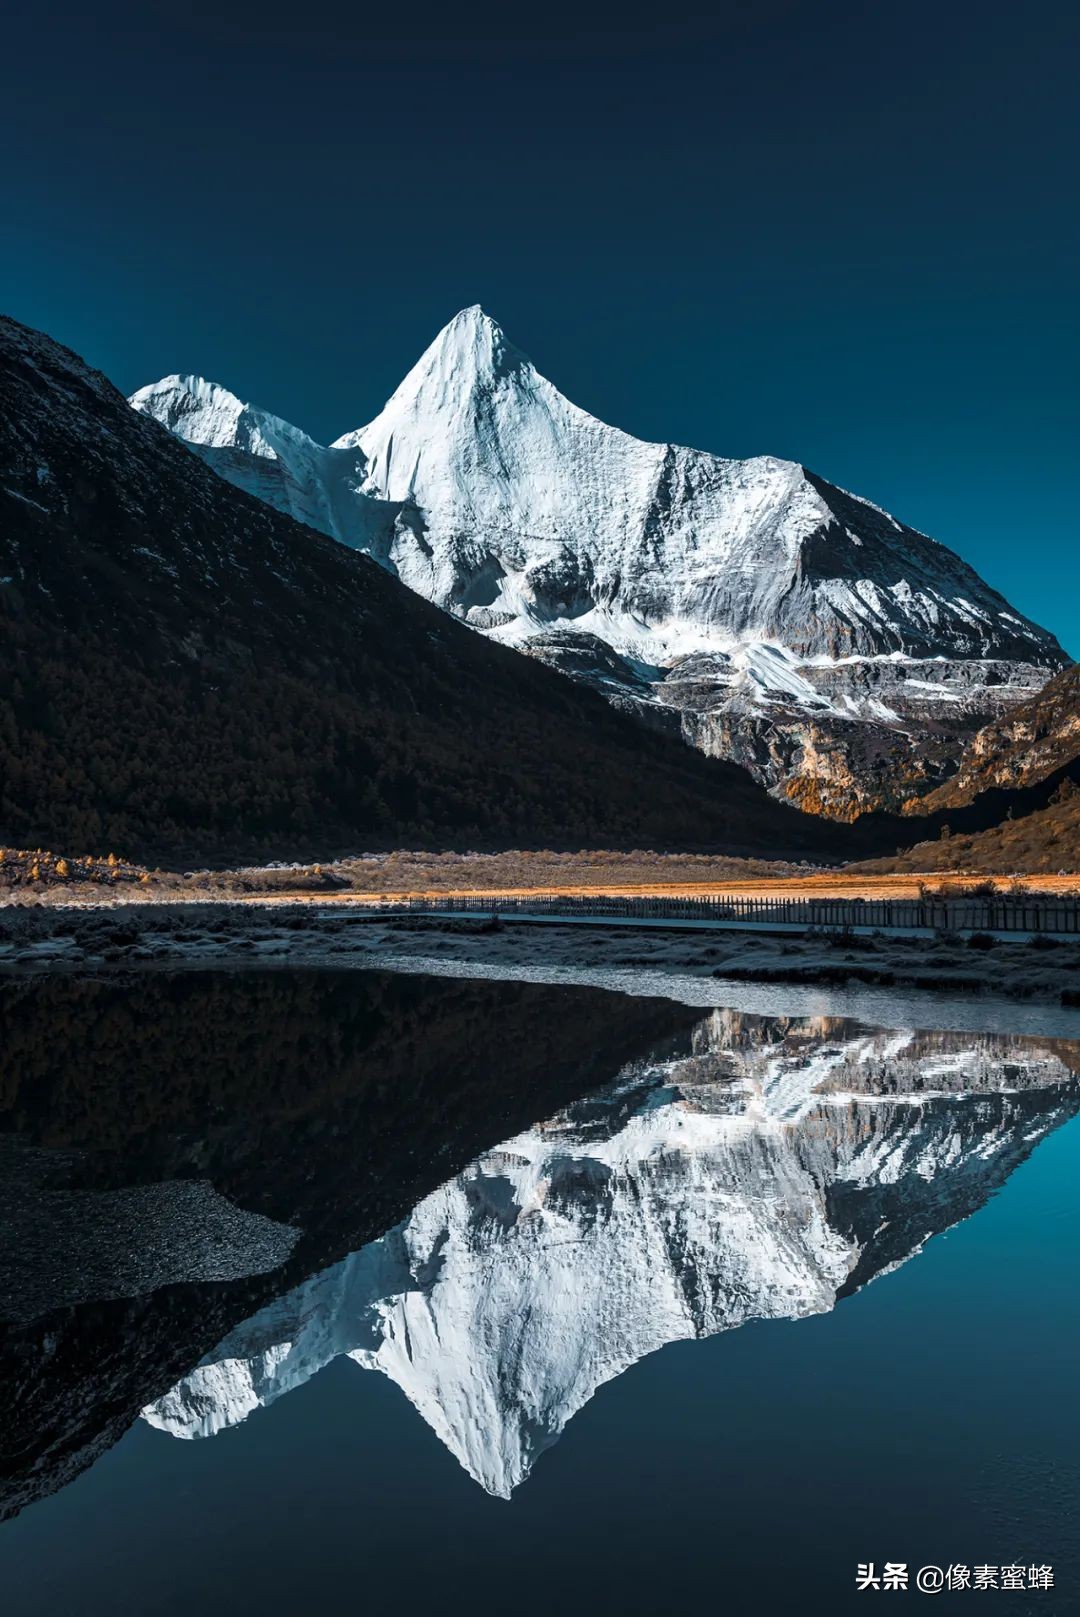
688 1198
538 511
533 515
271 459
841 647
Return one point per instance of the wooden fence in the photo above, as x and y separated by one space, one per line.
1005 912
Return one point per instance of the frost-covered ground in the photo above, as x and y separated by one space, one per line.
860 976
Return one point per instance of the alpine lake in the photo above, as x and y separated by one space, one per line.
672 1308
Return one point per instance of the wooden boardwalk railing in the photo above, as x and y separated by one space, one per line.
1004 912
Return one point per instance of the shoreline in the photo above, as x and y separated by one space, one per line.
190 933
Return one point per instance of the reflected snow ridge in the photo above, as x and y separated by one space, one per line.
779 1166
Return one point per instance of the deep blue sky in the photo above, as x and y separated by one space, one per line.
844 233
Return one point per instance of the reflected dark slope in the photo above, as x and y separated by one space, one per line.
765 1173
177 1150
216 1183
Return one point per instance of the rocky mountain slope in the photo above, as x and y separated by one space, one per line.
750 605
769 1172
1033 740
187 672
1044 841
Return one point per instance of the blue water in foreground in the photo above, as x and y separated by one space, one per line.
932 1418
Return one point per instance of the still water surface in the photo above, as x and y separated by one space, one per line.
377 1290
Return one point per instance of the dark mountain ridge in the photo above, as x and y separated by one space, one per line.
187 673
189 676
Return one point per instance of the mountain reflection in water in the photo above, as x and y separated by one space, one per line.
503 1195
177 1150
763 1168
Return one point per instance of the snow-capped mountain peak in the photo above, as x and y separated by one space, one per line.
472 410
532 515
272 459
661 573
471 351
539 516
206 413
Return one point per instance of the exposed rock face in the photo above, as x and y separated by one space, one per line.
798 605
776 1167
1030 742
880 733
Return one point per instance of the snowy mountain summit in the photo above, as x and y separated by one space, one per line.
767 614
562 521
269 458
